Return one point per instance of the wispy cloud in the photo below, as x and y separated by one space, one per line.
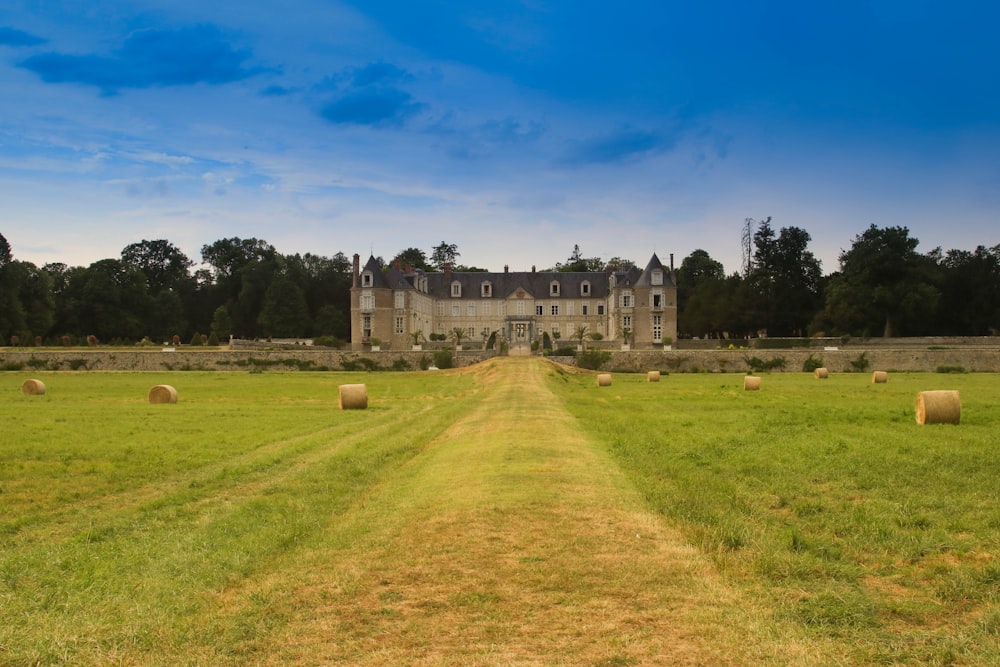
372 97
150 58
621 146
14 37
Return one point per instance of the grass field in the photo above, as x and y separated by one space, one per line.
513 513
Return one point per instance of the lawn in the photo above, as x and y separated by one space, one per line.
513 513
828 498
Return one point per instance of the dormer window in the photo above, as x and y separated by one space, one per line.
554 288
585 288
485 290
456 289
367 279
657 277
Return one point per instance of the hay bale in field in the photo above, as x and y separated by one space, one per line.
653 376
938 407
604 380
352 396
33 388
821 373
162 393
751 383
880 377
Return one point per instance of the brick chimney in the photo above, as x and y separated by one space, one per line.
447 271
357 270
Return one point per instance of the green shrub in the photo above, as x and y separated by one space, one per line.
443 358
593 359
861 363
757 365
196 339
327 341
951 369
812 363
401 364
565 351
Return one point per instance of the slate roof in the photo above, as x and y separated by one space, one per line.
535 283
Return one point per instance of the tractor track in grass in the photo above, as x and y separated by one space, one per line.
512 539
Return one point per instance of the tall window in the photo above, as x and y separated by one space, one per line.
520 307
600 309
470 310
538 309
399 325
454 310
657 299
657 328
626 299
366 326
555 309
584 307
368 302
400 300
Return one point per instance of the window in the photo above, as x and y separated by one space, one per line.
657 277
484 308
520 308
399 325
600 309
555 309
538 309
657 328
584 307
456 289
366 327
554 288
657 299
367 301
366 279
486 290
570 308
440 308
470 310
400 300
454 310
626 321
626 299
585 288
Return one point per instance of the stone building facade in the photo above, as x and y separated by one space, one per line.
400 307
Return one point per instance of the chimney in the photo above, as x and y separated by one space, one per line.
671 262
357 270
409 269
506 268
447 271
532 268
399 264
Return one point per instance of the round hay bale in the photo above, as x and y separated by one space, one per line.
751 383
33 388
938 407
162 393
880 377
352 396
821 373
604 380
653 376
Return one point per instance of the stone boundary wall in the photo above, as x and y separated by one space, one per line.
303 359
674 361
858 343
838 361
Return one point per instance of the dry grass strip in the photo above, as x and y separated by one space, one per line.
507 543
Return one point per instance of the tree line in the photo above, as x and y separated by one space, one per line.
248 289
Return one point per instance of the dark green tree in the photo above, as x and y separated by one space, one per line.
785 281
444 254
284 312
970 292
412 257
883 284
163 264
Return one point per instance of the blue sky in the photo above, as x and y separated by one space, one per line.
511 129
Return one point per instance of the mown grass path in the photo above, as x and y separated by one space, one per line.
513 540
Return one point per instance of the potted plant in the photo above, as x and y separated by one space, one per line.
417 336
376 344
